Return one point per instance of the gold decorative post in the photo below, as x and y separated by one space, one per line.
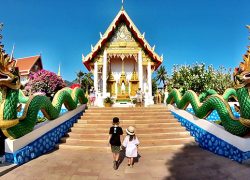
111 81
134 83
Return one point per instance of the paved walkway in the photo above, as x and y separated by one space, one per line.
189 163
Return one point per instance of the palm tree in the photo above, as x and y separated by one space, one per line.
79 76
87 80
154 86
162 76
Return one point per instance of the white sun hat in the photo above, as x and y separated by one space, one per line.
130 130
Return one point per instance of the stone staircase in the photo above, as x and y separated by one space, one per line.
156 128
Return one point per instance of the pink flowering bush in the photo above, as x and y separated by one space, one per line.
45 82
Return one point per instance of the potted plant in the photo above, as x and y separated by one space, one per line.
108 101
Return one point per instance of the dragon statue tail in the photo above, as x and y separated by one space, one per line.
51 110
213 102
230 92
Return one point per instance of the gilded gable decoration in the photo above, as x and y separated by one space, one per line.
123 31
122 55
122 34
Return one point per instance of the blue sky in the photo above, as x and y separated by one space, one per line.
184 31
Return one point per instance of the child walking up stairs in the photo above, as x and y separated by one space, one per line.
156 127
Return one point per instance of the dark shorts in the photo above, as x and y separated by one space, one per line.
115 149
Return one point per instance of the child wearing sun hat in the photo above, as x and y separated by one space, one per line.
131 143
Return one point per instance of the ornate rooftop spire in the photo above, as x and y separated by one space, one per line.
122 5
59 71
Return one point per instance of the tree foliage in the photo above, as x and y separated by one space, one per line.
154 86
161 76
85 79
45 82
199 78
1 36
1 27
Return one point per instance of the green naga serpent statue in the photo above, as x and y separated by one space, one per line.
14 127
237 126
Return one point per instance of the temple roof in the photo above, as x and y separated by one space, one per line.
122 16
25 64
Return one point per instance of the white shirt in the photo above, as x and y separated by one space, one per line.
131 146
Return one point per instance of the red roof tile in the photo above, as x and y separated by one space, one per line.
25 64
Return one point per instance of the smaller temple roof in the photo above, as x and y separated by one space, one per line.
122 16
25 64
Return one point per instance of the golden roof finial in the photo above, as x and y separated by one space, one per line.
122 5
59 70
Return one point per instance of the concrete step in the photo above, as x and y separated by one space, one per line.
124 126
127 108
126 121
104 136
111 115
132 117
128 113
143 142
148 130
107 149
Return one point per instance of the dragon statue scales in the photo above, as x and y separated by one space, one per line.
14 127
237 126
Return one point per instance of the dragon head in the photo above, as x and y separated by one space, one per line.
242 73
9 74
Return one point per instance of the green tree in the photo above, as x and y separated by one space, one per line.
199 78
79 76
154 86
1 27
162 76
87 80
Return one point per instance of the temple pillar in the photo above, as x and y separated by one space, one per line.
140 70
104 75
149 98
149 79
96 77
96 82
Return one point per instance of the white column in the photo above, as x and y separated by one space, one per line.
140 70
149 80
104 74
96 77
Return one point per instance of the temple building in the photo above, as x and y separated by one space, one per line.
28 65
122 61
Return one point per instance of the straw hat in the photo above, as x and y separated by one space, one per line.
130 130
